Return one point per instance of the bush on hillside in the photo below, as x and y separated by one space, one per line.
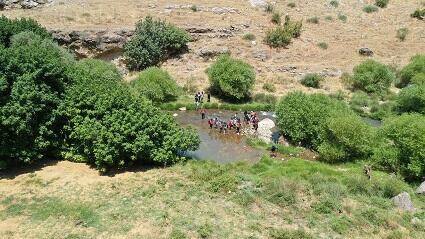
334 3
372 77
416 66
9 27
303 118
249 37
231 78
402 33
156 85
265 98
370 8
107 126
153 42
312 80
404 149
276 18
361 102
381 3
347 138
412 99
281 36
419 14
34 75
270 87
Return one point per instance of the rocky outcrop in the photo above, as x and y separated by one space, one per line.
211 52
258 3
364 51
421 189
403 202
215 10
25 4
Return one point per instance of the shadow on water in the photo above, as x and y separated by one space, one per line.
216 146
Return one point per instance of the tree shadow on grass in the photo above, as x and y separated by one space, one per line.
15 171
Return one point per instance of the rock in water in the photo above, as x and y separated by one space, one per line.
403 202
421 189
265 130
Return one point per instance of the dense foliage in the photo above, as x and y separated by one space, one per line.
372 77
9 27
281 36
156 84
312 80
153 41
404 148
34 73
415 67
419 14
108 126
412 99
381 3
231 78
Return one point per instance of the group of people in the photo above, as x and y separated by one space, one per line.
233 123
199 98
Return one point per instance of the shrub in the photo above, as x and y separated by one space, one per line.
370 8
323 45
265 98
231 78
404 149
270 87
153 41
372 77
419 14
312 80
329 18
8 28
347 138
294 27
33 78
402 33
291 5
156 85
194 8
249 37
302 118
419 79
276 18
416 66
314 20
107 126
381 3
334 3
412 99
342 17
269 8
281 36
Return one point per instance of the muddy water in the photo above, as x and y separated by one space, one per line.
216 146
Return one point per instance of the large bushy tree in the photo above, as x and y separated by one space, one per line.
372 77
109 127
33 77
152 42
10 27
415 67
231 78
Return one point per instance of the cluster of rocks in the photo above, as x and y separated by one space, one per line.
25 4
403 201
215 10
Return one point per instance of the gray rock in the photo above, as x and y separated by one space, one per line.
364 51
258 3
211 52
264 131
421 189
261 55
403 202
2 4
28 4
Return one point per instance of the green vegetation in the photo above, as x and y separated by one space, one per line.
334 3
323 45
270 87
381 3
156 85
342 17
372 77
265 98
281 36
412 99
153 42
314 20
329 18
402 33
404 146
370 8
194 8
269 8
419 14
231 78
369 106
312 80
9 27
415 67
291 5
276 18
249 37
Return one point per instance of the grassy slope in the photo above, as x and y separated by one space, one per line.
271 199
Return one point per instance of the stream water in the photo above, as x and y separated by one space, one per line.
216 146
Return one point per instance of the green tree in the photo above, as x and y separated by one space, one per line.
9 27
372 77
412 99
153 42
156 84
231 78
416 66
34 75
107 126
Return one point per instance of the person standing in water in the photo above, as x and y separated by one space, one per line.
203 112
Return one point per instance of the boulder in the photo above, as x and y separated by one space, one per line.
421 189
261 55
28 4
403 202
211 52
264 131
364 51
258 3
